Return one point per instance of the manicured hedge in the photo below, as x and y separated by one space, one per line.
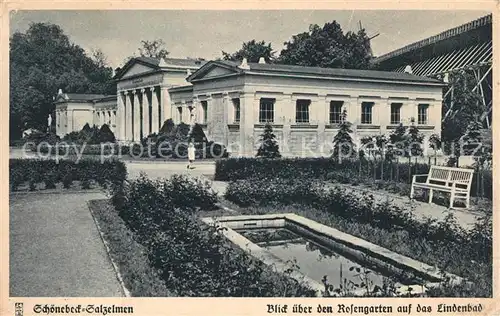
194 259
50 172
348 171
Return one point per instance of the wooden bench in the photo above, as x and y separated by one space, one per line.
457 181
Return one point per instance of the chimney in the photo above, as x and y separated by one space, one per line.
262 60
408 70
162 63
244 64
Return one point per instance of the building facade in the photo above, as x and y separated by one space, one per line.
74 110
233 102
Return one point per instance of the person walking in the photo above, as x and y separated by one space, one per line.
191 155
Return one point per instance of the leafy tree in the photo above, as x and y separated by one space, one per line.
467 104
99 58
252 51
472 140
155 49
435 144
415 139
328 47
43 60
398 142
343 145
269 147
368 144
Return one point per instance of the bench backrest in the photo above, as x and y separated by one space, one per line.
447 176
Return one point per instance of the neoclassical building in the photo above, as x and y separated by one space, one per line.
234 100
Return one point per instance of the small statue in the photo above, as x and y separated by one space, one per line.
49 120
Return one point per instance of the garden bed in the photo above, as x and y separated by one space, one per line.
140 279
438 243
392 176
193 258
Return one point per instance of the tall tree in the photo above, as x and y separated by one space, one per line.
471 142
99 57
252 51
328 47
155 48
43 60
269 147
415 139
343 145
466 102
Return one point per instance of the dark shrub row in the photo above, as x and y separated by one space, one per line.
194 259
50 172
347 171
477 245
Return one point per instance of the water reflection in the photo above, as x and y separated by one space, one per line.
338 273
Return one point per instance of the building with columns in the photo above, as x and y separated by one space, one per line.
74 110
233 100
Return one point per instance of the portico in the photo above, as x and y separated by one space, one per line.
143 101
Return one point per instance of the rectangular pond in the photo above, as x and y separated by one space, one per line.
310 251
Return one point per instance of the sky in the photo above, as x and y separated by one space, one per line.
204 34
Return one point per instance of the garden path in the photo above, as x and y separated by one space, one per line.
56 249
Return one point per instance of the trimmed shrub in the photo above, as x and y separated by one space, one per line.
106 135
34 171
167 128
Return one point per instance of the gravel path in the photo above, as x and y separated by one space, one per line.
55 248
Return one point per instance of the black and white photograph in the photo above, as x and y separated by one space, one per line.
251 153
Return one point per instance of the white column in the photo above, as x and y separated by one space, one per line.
103 118
165 105
137 117
119 117
155 111
247 120
70 121
129 115
185 113
145 113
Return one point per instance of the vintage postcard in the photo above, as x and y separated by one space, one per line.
249 159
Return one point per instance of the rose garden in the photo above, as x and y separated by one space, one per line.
151 213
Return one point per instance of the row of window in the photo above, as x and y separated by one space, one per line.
266 111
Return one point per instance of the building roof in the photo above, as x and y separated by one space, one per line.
334 73
464 46
338 72
157 64
449 34
83 97
172 61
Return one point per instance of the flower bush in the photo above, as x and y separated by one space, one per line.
192 258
